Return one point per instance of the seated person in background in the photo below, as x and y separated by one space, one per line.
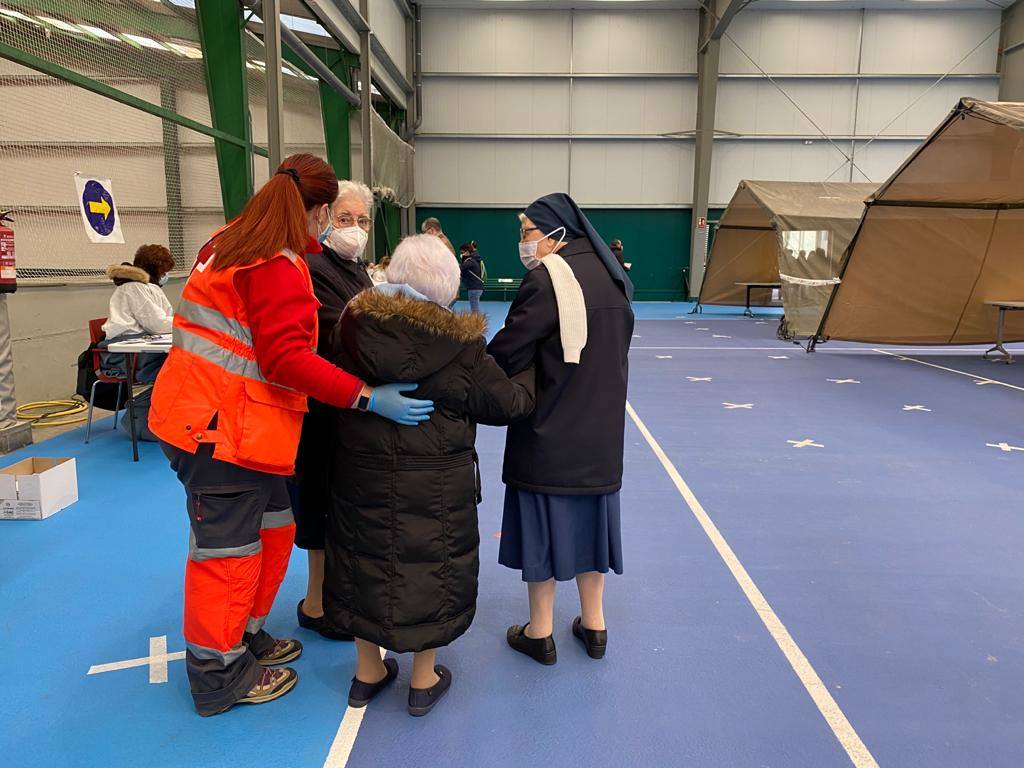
138 306
402 535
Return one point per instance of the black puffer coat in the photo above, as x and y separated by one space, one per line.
402 537
336 281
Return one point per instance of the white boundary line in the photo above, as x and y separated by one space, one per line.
345 738
975 376
856 750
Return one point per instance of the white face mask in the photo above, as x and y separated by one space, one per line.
528 250
528 254
349 242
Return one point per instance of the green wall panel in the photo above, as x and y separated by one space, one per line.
656 242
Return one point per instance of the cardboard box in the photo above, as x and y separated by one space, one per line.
35 489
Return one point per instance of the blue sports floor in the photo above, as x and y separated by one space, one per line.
884 557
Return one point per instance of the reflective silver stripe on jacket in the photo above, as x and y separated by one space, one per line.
214 320
277 518
216 354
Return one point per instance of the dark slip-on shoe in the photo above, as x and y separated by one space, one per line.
595 640
541 650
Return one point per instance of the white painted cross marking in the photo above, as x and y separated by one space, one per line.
734 406
664 357
156 661
1005 447
761 322
719 336
778 357
698 378
983 382
690 322
637 337
703 329
806 443
916 408
843 381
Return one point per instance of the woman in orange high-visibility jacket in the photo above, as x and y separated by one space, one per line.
227 408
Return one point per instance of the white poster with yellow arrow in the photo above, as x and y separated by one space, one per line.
99 211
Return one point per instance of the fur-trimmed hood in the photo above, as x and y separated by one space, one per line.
397 338
126 273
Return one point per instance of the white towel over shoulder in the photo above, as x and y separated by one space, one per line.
572 310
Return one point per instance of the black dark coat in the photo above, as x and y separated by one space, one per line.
572 443
471 272
402 536
336 281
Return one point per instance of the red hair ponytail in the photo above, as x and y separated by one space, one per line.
275 217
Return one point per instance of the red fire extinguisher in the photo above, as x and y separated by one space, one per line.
8 270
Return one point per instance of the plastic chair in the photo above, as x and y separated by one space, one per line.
95 337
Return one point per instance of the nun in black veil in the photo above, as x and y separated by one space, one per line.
573 319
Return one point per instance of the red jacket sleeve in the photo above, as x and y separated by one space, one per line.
282 316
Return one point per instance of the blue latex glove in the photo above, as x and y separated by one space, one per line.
389 402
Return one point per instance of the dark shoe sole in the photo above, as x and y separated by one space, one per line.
317 625
548 658
593 651
392 674
425 710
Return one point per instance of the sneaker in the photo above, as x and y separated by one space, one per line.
595 640
271 684
281 652
361 694
422 700
541 650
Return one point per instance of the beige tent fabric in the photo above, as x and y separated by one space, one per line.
944 235
784 231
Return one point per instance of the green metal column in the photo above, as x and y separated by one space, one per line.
337 112
221 36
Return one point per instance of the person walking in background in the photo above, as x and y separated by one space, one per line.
228 407
402 536
616 249
563 466
338 276
472 274
432 226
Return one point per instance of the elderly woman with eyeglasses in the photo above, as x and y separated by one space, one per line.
573 320
338 276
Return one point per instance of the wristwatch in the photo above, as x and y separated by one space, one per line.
363 402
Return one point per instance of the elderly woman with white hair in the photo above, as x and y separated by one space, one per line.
338 274
402 537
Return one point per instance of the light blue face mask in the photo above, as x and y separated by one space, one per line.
322 237
164 279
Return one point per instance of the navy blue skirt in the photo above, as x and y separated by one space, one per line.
560 537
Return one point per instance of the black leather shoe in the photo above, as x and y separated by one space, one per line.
541 650
321 626
422 700
361 694
596 640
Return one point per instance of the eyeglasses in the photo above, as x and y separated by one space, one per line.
524 231
347 220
